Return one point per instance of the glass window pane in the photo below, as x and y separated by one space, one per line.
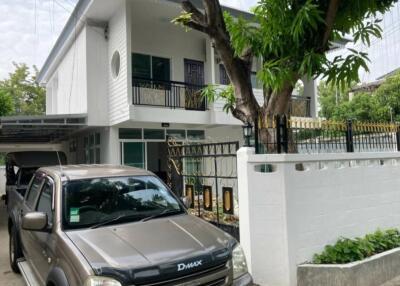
97 139
33 192
158 134
196 135
134 154
85 142
223 76
98 156
161 69
45 201
91 140
141 66
125 133
177 134
91 156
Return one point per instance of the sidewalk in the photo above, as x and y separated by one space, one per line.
395 282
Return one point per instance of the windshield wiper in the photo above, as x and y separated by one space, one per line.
162 214
116 219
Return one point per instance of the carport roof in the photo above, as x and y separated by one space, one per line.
39 129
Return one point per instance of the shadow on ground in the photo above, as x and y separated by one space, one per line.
7 277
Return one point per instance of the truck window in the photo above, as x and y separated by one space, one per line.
25 175
46 200
33 191
93 201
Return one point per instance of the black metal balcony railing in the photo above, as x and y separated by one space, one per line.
300 106
170 94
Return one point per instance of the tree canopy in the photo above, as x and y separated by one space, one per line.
381 105
6 104
27 96
292 38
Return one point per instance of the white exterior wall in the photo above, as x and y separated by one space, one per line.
224 134
118 101
310 90
67 87
156 36
97 75
287 216
110 146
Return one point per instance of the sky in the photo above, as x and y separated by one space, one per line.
29 29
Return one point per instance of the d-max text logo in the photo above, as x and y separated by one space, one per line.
187 266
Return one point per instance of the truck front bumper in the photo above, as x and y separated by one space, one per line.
244 280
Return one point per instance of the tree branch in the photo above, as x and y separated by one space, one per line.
329 22
197 16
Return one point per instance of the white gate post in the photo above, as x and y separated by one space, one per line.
244 201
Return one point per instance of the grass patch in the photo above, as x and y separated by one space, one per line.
347 250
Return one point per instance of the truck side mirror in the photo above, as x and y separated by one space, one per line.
187 201
35 221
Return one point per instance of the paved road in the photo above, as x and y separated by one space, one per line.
7 277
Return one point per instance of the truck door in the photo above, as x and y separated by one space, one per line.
29 246
44 241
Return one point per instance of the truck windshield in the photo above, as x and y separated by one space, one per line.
94 202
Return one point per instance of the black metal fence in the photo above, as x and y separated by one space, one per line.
171 94
302 135
208 176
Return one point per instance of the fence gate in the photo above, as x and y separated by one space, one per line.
207 174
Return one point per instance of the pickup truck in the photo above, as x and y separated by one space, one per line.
115 226
20 167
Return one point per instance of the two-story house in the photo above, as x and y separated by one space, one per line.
137 79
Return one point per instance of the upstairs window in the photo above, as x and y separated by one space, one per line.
149 67
223 76
141 66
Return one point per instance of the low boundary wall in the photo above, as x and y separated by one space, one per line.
291 206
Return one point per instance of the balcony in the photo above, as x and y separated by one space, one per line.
300 106
171 94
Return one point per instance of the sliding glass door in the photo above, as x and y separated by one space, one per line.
134 154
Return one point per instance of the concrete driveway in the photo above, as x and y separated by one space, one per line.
7 277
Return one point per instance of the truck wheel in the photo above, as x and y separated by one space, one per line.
14 250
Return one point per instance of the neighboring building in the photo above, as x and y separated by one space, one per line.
136 77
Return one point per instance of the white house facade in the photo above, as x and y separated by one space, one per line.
137 78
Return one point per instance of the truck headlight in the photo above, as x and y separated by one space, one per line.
239 262
101 281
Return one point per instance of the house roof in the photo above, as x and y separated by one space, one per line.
75 22
39 129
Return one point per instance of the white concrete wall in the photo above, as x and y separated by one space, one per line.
2 180
287 216
67 87
310 90
118 94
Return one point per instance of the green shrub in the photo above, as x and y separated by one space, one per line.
349 250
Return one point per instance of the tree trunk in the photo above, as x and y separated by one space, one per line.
238 68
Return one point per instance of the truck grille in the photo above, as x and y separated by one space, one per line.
218 274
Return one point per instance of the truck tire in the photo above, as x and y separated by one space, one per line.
14 250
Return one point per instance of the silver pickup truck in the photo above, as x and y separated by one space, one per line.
113 226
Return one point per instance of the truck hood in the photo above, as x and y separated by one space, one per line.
156 247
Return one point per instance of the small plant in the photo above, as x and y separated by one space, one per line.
349 250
